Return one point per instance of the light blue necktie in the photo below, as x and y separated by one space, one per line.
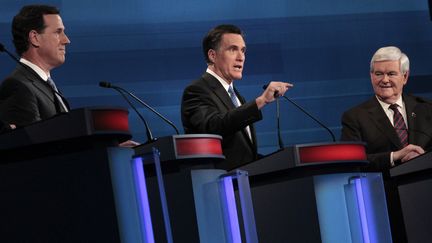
57 95
233 96
52 84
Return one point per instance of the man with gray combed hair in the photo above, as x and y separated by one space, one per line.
395 126
391 53
373 122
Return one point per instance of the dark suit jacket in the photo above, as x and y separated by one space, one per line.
26 98
369 123
207 108
4 127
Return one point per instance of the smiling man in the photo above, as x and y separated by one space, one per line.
213 105
396 127
29 94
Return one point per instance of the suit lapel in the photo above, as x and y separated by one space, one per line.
37 82
410 105
222 94
251 126
218 90
381 121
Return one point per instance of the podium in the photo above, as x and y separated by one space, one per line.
414 184
190 200
63 180
318 193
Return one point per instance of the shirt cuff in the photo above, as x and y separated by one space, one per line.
392 163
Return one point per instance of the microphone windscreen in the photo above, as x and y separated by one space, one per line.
105 84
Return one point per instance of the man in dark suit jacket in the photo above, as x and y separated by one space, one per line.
368 122
396 127
208 106
39 38
373 121
29 94
26 98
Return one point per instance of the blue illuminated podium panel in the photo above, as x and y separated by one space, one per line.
61 180
190 200
318 193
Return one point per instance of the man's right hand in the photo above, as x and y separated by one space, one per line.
268 96
409 152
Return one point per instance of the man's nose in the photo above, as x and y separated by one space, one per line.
66 39
240 56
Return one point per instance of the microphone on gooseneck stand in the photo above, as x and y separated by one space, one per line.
121 92
305 112
281 145
109 85
3 49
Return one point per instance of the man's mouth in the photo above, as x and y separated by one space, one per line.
385 85
238 67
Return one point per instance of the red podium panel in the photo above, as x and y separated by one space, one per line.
307 154
107 123
188 146
313 156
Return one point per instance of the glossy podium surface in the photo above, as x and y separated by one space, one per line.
170 182
191 200
182 147
60 180
414 184
327 155
318 193
77 129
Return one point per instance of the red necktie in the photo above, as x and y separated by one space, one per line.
399 125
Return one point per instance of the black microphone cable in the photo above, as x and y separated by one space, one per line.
305 112
147 128
313 118
281 144
109 85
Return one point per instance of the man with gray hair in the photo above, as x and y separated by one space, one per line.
395 126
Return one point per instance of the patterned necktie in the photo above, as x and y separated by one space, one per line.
233 96
60 106
52 84
399 125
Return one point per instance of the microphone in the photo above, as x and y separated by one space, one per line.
3 49
29 70
281 145
305 112
121 92
109 85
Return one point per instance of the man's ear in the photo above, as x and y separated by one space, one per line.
33 37
406 75
211 55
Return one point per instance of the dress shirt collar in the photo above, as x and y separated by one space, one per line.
221 80
389 112
386 106
35 68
